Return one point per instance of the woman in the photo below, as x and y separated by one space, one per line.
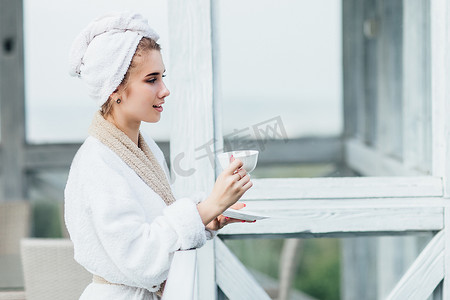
120 212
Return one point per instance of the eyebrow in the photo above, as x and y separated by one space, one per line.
154 73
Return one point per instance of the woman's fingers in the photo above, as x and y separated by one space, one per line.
223 221
238 205
234 166
240 174
248 184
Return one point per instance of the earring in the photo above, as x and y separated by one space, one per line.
118 101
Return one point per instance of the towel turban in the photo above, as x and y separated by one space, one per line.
101 54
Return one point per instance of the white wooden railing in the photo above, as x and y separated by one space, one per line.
348 207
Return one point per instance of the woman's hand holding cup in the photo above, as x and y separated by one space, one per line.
230 185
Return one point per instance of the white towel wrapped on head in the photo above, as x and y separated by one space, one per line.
102 52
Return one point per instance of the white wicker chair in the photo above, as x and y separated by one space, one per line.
50 270
14 225
12 295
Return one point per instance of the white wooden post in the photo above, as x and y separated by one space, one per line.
424 275
389 77
192 132
416 85
356 125
440 92
396 254
352 56
368 36
12 100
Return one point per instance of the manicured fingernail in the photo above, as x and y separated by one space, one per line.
245 205
231 158
226 218
254 221
243 221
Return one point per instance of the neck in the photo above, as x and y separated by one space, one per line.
129 127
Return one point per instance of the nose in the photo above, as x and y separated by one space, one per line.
164 91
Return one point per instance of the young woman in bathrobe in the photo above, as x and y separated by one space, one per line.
119 209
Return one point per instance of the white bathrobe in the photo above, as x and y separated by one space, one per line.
121 229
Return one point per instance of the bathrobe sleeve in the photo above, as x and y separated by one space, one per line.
140 248
197 198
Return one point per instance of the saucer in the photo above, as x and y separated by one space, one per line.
245 215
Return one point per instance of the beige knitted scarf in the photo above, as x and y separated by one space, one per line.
138 157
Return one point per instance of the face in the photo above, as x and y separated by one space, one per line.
145 92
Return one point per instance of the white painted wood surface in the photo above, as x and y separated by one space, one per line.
440 88
193 126
389 77
287 270
416 107
353 72
360 122
358 276
343 187
394 256
446 282
440 91
206 271
217 87
370 162
370 43
233 278
191 88
424 274
310 218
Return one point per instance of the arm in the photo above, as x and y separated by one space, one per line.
231 184
140 247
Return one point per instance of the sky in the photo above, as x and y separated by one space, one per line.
277 58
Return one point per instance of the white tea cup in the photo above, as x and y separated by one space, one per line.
248 157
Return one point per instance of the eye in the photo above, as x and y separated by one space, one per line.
151 80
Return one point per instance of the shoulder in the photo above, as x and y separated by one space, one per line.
94 156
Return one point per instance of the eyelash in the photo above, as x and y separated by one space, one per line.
154 79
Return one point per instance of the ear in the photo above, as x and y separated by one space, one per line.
115 95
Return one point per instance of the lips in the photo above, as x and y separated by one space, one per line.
158 108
